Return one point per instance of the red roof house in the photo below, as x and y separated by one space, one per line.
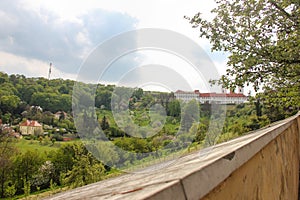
31 127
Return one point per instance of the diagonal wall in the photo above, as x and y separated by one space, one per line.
272 173
260 165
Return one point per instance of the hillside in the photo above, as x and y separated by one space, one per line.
40 161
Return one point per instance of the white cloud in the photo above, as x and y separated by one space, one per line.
40 34
12 64
35 32
166 14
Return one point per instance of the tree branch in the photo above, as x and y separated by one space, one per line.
282 10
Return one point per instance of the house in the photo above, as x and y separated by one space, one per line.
9 131
60 115
31 127
218 98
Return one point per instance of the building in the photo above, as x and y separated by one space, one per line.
60 115
218 98
31 127
6 129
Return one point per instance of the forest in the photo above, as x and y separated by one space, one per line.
24 171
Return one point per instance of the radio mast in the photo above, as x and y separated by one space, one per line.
49 71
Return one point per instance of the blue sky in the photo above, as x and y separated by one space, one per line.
34 33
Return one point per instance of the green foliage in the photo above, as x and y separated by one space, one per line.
137 145
199 129
10 190
26 187
262 37
50 163
6 118
26 165
138 93
63 160
103 96
104 123
51 101
281 103
173 108
7 152
51 95
9 103
44 176
86 169
52 184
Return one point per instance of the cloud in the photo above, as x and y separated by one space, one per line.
35 32
44 36
12 64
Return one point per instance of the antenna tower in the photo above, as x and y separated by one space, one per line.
49 71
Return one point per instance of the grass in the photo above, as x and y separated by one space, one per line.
26 145
41 194
42 147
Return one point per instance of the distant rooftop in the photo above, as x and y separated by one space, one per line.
30 123
212 97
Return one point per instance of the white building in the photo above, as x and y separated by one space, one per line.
218 98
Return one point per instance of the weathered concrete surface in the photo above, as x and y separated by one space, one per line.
271 174
261 165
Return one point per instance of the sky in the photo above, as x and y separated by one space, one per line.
35 33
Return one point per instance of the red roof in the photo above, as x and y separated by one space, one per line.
213 94
30 123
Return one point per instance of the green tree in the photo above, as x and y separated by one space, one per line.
7 153
104 123
62 160
25 166
3 77
103 98
138 93
86 168
263 40
6 118
173 108
43 177
198 130
9 103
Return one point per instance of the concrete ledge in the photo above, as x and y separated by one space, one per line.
199 174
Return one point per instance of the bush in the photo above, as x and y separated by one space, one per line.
57 137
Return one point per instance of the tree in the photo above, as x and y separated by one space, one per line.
3 78
44 176
9 103
262 37
173 108
138 93
199 130
104 123
86 168
103 97
51 101
25 166
7 152
63 161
